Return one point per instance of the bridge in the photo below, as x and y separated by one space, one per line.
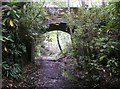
56 24
53 23
57 21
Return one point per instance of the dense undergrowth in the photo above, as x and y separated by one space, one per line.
96 44
18 36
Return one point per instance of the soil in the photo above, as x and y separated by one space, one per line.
47 73
44 74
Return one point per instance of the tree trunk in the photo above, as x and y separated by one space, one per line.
59 42
103 2
83 3
70 27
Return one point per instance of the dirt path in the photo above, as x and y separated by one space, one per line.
46 73
50 75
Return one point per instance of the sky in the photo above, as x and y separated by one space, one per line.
73 3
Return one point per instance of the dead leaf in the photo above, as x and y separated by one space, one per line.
11 23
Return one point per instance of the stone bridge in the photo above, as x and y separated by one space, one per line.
53 23
57 21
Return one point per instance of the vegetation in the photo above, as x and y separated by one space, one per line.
94 47
11 51
96 42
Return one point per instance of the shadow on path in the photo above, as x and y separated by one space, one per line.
50 75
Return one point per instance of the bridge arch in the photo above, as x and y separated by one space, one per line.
59 24
51 25
55 42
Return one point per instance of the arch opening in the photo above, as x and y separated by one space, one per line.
53 44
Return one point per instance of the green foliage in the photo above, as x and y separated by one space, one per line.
12 71
102 58
12 48
96 39
113 65
69 75
32 17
